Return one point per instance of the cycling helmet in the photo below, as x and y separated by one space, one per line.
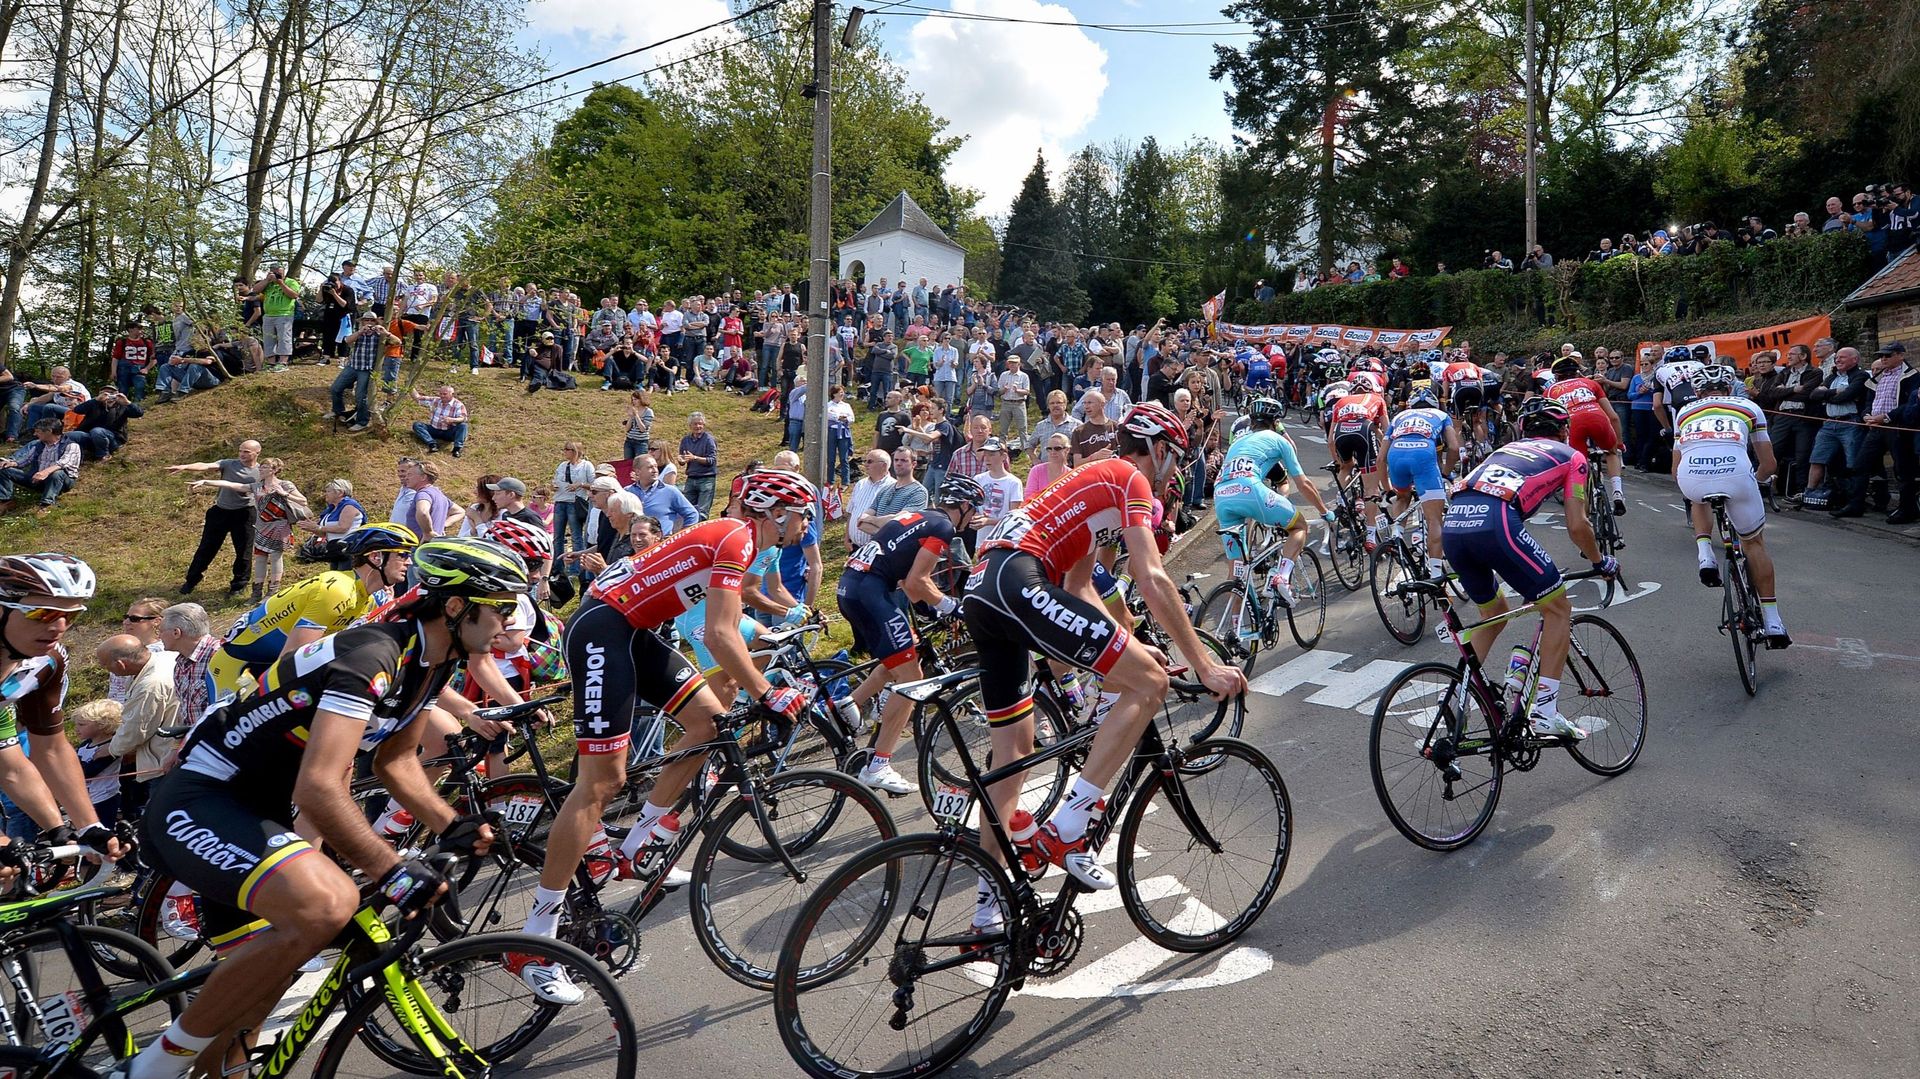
61 576
770 488
1701 353
375 538
1423 398
1368 382
1566 367
961 491
1677 354
1541 416
1336 390
531 542
1673 374
1543 380
1713 374
1150 420
1265 410
465 566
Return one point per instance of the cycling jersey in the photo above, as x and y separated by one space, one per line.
32 696
1083 510
1526 472
1260 373
1417 428
1592 420
1462 372
890 554
1413 441
1719 422
374 674
866 591
1255 453
657 584
1242 493
329 601
1359 412
1710 441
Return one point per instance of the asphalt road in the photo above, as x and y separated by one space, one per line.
1741 903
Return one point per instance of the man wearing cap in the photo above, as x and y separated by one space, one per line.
660 500
510 500
1012 389
1894 380
448 422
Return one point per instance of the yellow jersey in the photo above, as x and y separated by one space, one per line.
329 602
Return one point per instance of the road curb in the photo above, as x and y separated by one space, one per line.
1866 526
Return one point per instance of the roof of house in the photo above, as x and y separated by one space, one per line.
903 215
1898 280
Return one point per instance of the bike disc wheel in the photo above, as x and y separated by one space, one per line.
1202 850
743 896
1737 622
1405 615
1349 547
1307 618
1603 680
909 987
1426 718
940 765
1222 613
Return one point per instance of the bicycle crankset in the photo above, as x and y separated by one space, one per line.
1056 946
610 937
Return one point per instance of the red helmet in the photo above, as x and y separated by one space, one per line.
771 487
531 542
1367 382
1150 420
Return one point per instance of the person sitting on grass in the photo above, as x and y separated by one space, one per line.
49 464
447 423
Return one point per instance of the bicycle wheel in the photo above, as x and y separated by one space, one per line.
909 985
1223 613
743 896
940 765
1404 615
169 922
1213 838
1307 618
495 1014
1603 681
1434 757
1349 548
496 892
1189 718
38 969
1736 622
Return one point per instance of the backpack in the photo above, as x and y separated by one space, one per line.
765 401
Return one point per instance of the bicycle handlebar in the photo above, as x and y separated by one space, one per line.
411 929
513 713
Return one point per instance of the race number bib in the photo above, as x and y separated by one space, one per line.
864 558
1715 428
1499 481
1241 468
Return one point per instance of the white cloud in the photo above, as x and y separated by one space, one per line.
613 27
1011 88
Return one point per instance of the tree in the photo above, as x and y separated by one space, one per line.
1343 132
1036 269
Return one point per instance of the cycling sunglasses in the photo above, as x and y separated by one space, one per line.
44 614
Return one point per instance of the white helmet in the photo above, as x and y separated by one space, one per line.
61 576
1712 374
1679 371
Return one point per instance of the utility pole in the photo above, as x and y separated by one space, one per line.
819 244
1533 139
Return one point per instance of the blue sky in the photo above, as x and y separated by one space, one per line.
1011 88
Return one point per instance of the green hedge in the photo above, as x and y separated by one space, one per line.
1722 283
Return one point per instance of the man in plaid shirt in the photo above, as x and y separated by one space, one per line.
185 629
447 424
363 353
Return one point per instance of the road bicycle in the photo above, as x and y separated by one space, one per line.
762 841
884 973
1740 611
1444 735
1346 541
1244 613
1402 557
450 1011
1600 515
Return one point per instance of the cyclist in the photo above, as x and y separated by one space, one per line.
1469 390
1358 423
1031 591
616 656
1262 372
1595 425
1674 379
1329 396
1711 439
304 612
218 822
1242 493
41 596
1486 540
900 558
1414 441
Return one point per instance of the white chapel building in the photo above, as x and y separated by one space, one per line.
902 242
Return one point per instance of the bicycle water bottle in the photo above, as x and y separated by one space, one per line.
654 852
1070 690
1517 664
1021 828
599 857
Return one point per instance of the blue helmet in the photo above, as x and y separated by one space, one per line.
1423 398
1677 353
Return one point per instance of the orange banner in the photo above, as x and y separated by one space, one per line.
1740 347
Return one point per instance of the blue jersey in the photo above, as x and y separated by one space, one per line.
1418 429
1259 371
1255 453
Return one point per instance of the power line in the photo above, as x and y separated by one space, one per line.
1103 257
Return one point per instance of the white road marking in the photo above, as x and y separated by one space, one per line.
1340 689
1869 656
1854 653
1678 506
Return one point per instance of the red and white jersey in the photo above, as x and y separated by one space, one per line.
1461 371
1082 511
663 581
1580 395
1359 411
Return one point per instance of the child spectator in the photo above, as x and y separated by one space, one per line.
94 724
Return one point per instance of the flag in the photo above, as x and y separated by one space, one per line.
1211 309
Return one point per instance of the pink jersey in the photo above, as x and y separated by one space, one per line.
1527 472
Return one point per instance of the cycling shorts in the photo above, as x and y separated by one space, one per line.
1469 395
1104 581
1235 501
208 835
1484 539
1592 429
1706 471
1360 447
879 622
1012 610
692 627
226 669
615 665
1414 466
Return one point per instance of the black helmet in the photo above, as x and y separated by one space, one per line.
1265 410
1566 367
464 566
961 491
1540 416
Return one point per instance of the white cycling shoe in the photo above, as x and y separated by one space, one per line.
1559 726
886 778
548 981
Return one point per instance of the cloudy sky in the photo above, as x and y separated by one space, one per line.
1011 88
